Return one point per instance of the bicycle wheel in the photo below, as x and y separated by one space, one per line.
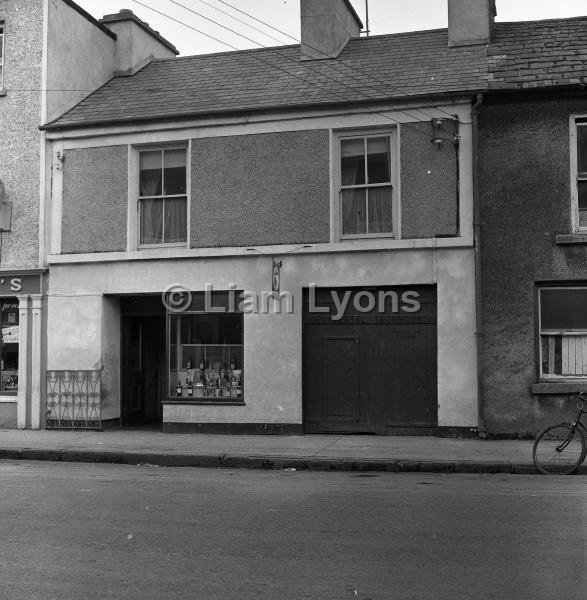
559 450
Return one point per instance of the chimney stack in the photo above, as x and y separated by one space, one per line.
327 26
470 22
136 42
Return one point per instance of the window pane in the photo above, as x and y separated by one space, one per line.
564 309
175 220
9 317
582 148
583 203
211 356
564 355
380 210
175 172
352 161
151 172
354 217
378 160
151 221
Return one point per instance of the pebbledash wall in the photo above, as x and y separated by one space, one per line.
526 207
282 172
20 151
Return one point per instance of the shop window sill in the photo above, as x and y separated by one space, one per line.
558 387
571 239
198 402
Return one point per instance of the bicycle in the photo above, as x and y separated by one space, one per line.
560 449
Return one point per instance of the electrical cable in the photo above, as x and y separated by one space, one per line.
252 54
291 37
296 62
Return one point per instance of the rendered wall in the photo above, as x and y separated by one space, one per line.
134 45
95 192
261 189
80 58
20 114
429 203
526 203
273 342
111 357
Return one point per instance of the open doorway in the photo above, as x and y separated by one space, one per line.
143 361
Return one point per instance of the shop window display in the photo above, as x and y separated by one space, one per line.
9 346
206 356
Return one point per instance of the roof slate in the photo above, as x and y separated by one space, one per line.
528 54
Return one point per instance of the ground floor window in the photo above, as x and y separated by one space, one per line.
9 345
206 356
563 332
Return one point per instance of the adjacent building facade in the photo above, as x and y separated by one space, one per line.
41 78
533 207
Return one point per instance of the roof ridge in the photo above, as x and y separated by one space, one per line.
537 21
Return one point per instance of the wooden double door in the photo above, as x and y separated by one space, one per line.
371 371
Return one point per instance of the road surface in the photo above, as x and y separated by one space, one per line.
70 531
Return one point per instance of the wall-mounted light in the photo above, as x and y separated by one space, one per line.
60 156
276 275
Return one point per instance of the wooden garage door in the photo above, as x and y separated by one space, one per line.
370 370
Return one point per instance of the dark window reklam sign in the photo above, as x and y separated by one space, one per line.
12 284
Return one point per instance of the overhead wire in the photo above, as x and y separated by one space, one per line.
253 54
297 40
296 62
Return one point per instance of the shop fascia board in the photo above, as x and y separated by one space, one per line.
381 245
267 122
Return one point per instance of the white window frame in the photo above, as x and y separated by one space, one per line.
2 53
567 333
576 122
134 203
392 134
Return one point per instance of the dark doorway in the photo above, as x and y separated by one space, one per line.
143 371
370 371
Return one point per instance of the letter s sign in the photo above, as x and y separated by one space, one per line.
16 285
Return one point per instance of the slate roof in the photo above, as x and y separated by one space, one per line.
527 54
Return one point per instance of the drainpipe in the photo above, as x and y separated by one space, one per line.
477 227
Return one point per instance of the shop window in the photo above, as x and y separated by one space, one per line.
563 332
582 173
1 55
9 346
367 185
206 356
163 197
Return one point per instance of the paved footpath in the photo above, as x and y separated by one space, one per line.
317 452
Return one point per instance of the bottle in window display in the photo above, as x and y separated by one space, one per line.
178 390
190 387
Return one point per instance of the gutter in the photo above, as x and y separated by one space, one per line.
477 231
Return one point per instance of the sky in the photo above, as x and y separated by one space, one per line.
386 16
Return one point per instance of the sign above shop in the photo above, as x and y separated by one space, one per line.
14 283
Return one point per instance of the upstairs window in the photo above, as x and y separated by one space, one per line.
163 197
366 185
582 173
563 332
1 55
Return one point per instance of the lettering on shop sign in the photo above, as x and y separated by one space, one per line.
11 285
15 284
370 320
